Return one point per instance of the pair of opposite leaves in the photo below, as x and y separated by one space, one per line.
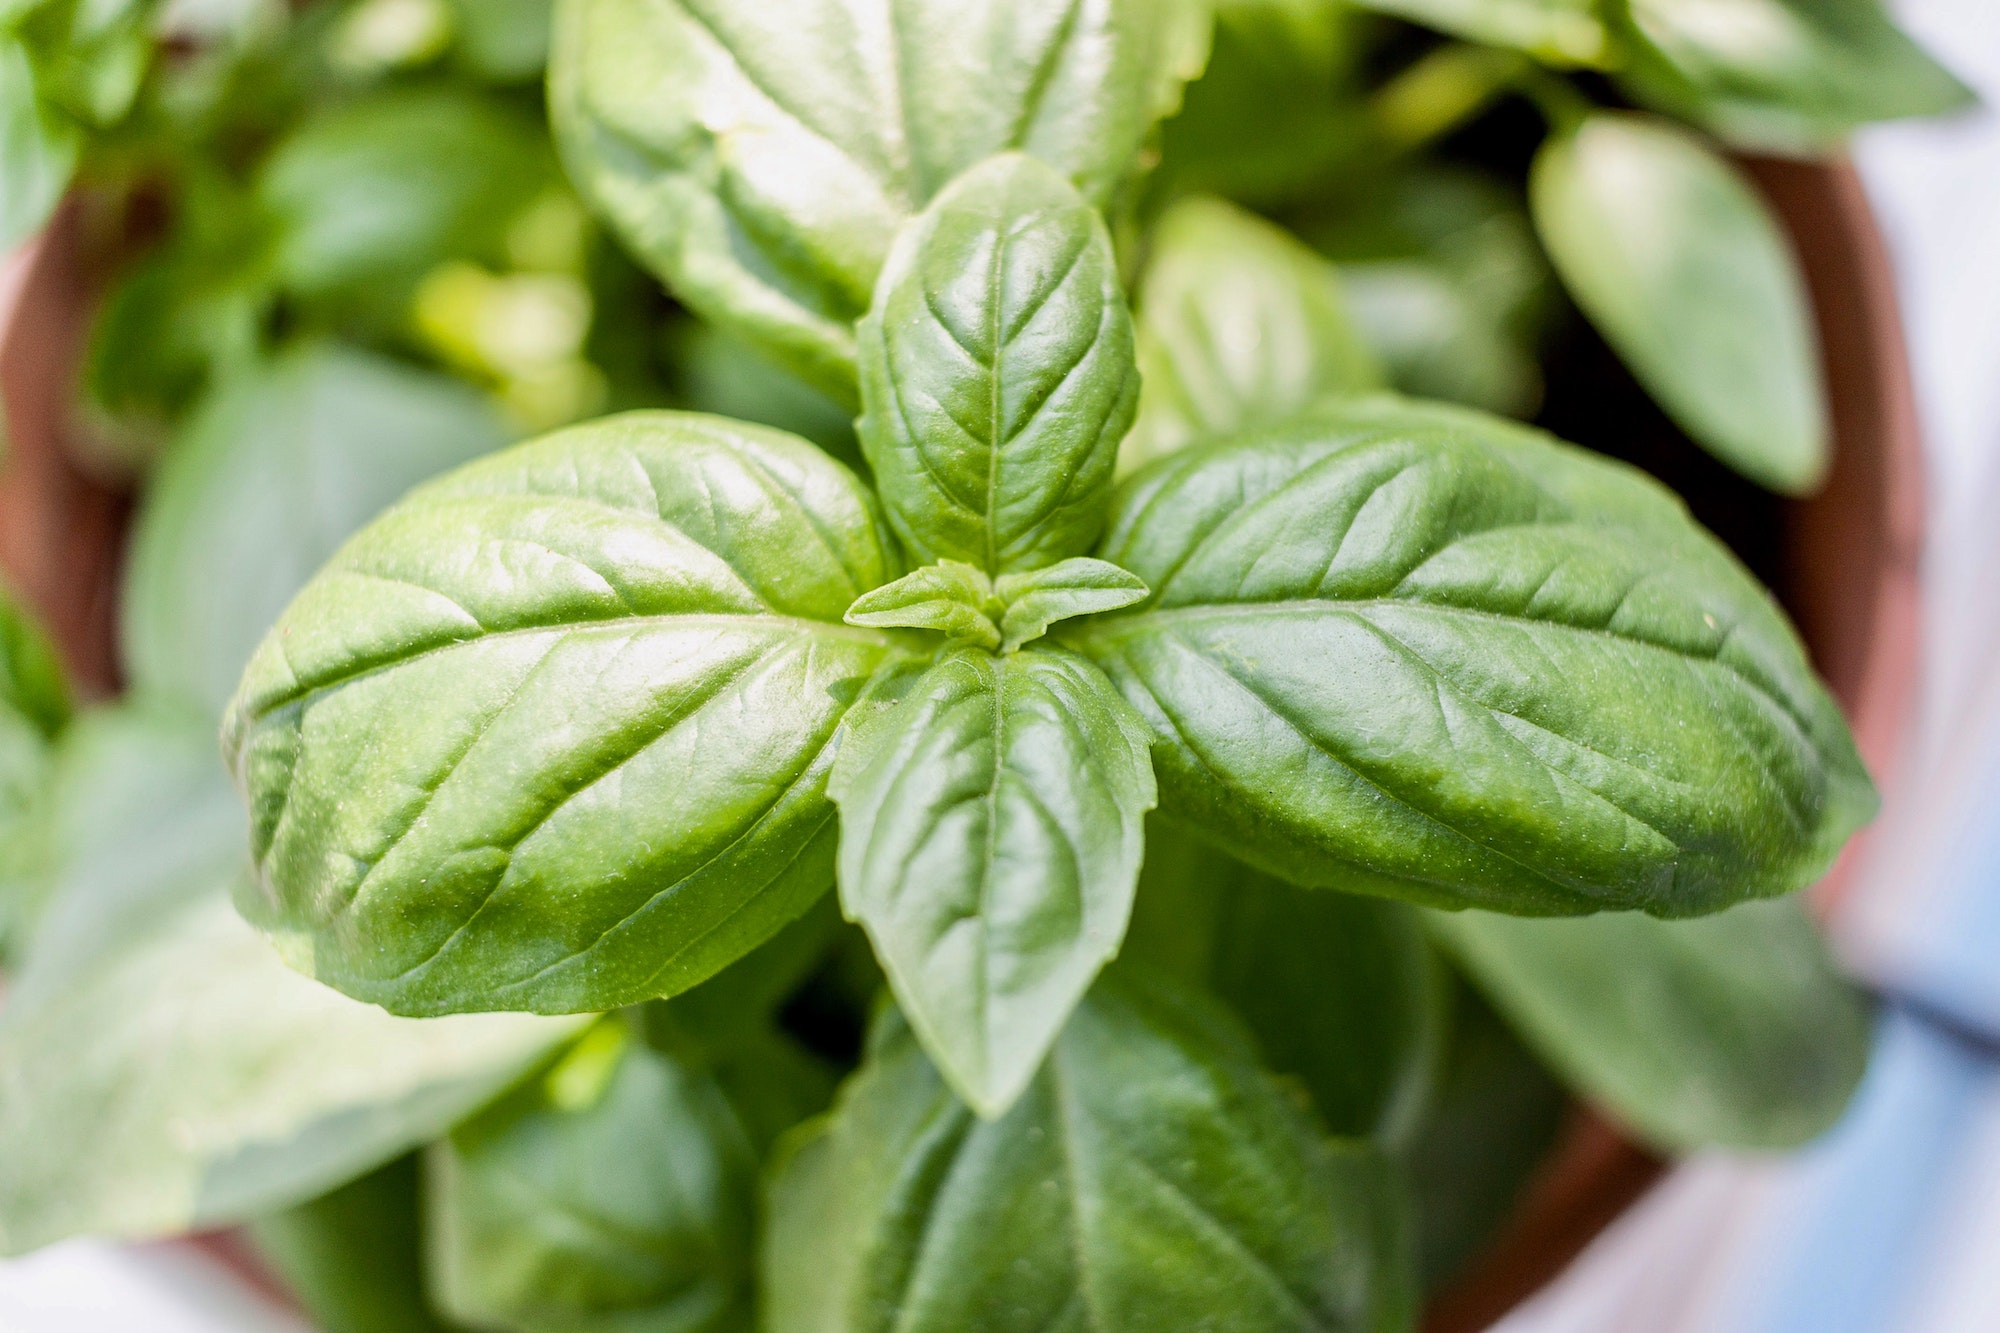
566 729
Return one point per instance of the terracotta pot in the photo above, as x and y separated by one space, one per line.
1849 577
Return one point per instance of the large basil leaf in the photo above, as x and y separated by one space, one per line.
34 708
1240 325
1780 75
996 371
1735 1030
1152 1178
1278 108
1492 1122
275 471
1341 992
38 149
760 158
615 1195
553 733
160 1068
1676 261
990 835
353 1258
1423 652
1568 32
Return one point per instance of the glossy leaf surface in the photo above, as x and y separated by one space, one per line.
1152 1178
614 1195
1423 652
1736 1030
760 158
1781 75
160 1069
1569 32
1341 992
991 833
553 733
261 487
1676 261
1240 325
997 372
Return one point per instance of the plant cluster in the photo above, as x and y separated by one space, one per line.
1053 764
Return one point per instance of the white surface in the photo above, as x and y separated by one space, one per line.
95 1287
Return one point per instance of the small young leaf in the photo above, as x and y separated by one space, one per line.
628 1206
951 597
1785 76
1062 591
760 158
996 372
1567 32
1423 652
1152 1178
352 1257
1736 1030
1341 992
553 733
38 149
273 473
1240 325
990 836
160 1069
1676 261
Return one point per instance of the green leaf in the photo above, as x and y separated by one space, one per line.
996 372
1677 262
31 678
760 158
1152 1178
1276 112
274 472
1340 992
160 1069
506 41
1736 1030
1427 653
38 149
958 601
991 834
352 1257
553 733
950 597
1491 1124
1563 32
1447 285
1062 591
1240 325
370 195
616 1201
1788 76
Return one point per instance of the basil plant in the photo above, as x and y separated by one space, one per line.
1169 641
1018 778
